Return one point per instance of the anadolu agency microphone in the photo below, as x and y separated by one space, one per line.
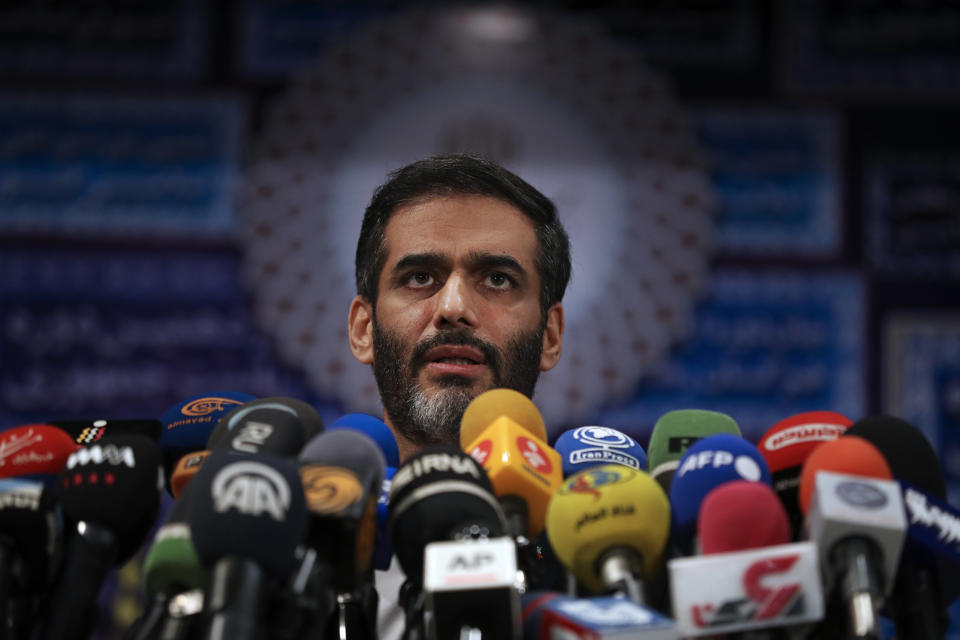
381 434
928 576
609 527
342 474
110 494
586 447
707 464
785 447
748 581
31 545
277 426
448 532
503 431
556 616
34 452
675 432
185 429
854 513
247 514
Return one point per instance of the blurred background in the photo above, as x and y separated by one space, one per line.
763 199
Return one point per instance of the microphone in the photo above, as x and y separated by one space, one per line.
524 470
111 492
31 544
785 447
748 577
675 432
586 447
442 494
856 516
170 567
723 512
609 526
34 451
928 578
554 615
184 470
277 426
186 426
247 514
707 464
342 473
383 436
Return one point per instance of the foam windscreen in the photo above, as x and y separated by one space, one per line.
850 454
34 450
375 428
247 505
276 426
741 515
497 403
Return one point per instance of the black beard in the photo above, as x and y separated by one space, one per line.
437 421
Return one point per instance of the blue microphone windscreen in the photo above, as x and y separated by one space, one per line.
375 428
586 447
187 425
707 464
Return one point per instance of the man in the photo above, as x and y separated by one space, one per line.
461 267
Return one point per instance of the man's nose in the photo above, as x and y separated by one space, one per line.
454 304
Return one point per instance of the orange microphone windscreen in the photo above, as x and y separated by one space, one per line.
498 403
849 454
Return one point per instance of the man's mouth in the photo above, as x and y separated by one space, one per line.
455 359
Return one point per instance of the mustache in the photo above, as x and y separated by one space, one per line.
459 338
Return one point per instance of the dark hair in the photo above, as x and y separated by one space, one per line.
460 174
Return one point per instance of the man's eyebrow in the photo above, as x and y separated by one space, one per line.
477 260
425 260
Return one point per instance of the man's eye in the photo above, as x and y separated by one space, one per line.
499 280
420 279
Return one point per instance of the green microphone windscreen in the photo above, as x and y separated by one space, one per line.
676 431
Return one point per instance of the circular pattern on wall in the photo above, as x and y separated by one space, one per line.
572 111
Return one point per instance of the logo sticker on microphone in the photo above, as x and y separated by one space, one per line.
534 455
100 454
252 488
588 482
604 445
861 494
91 434
481 452
329 489
206 406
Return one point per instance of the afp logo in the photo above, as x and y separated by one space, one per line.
603 445
252 489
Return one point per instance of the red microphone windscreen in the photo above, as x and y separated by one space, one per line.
34 449
741 515
850 454
789 442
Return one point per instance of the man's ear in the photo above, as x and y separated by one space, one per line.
552 337
360 329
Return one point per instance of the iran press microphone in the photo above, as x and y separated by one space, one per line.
444 495
556 616
247 514
928 577
609 527
586 447
748 581
675 432
854 513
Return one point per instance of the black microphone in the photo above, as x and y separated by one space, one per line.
927 579
31 544
247 514
110 494
278 426
342 473
441 495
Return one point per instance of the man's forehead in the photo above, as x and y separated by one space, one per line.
456 226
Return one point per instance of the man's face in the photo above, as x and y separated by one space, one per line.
457 313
